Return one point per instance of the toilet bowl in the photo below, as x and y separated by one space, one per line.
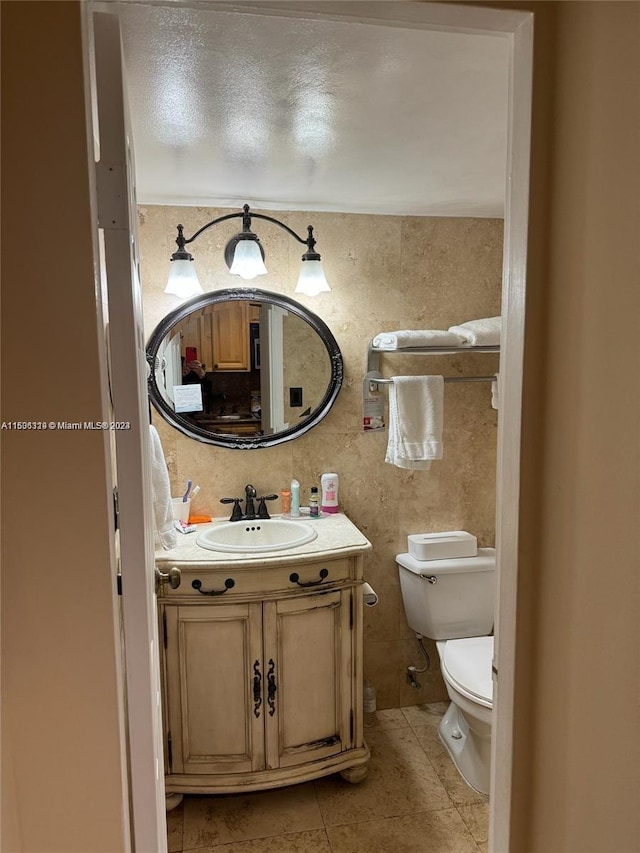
451 601
465 729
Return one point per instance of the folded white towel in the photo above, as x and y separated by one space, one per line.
416 405
163 529
479 333
416 338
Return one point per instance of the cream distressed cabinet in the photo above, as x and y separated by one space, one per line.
262 672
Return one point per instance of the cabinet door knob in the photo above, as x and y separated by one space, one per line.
294 577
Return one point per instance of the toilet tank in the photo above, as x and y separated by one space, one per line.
459 603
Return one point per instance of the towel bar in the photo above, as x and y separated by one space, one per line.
446 379
375 381
372 402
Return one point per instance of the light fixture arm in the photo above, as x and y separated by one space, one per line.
244 256
309 242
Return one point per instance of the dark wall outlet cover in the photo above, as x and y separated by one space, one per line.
295 397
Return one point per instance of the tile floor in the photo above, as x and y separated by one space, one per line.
413 801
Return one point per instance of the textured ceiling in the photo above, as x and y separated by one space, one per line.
281 112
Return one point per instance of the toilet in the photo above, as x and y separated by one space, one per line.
451 601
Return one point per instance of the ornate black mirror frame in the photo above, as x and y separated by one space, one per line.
243 294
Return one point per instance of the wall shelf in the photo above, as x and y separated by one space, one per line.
374 377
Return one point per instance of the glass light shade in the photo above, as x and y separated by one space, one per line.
183 279
247 260
312 279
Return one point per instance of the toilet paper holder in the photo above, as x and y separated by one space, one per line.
369 595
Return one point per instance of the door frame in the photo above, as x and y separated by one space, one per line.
115 228
517 28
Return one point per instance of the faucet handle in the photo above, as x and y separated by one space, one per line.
262 507
236 512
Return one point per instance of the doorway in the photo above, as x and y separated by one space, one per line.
516 29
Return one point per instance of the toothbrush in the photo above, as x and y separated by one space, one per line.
186 494
194 491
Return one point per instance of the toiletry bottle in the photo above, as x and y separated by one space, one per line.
285 501
314 507
369 703
329 483
295 499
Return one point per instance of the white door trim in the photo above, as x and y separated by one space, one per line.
514 275
116 223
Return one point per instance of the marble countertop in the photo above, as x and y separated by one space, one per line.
337 537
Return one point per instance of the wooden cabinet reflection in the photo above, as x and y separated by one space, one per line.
220 334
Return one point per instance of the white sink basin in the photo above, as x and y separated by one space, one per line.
273 534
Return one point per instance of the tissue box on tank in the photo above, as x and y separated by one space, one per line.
442 546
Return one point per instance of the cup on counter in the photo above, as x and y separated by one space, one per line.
181 509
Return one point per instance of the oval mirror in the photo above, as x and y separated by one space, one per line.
243 368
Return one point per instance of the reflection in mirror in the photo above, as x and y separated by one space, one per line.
243 368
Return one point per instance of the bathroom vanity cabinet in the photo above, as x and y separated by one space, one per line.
263 679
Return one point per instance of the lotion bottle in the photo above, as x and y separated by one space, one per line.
295 499
329 484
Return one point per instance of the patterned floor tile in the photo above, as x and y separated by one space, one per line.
210 821
313 841
456 787
401 780
431 832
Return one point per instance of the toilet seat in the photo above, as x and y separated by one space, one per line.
466 663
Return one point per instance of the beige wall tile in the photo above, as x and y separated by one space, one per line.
429 714
382 662
386 272
393 718
432 688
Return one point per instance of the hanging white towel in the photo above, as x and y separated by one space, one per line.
163 529
416 338
479 333
416 406
495 393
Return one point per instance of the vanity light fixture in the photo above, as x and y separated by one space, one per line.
244 256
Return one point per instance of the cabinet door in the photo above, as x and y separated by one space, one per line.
213 655
230 333
308 648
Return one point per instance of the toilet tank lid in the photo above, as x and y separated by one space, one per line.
485 561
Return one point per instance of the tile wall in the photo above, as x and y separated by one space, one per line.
386 272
